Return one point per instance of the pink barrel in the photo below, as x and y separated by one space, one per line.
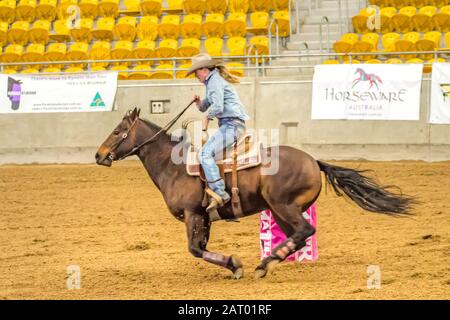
271 236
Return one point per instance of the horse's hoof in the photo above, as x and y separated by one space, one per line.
260 273
238 270
271 265
238 273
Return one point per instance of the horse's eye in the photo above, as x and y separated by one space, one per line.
116 132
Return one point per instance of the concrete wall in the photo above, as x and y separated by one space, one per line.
271 103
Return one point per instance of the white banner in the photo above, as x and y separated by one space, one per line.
31 93
440 94
367 92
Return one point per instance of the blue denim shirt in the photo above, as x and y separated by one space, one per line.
222 99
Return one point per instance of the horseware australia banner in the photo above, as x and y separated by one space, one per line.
57 93
440 94
367 92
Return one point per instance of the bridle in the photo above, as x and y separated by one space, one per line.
125 135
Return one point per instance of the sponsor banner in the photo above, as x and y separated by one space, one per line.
367 92
57 93
271 236
440 94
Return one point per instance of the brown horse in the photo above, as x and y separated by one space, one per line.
287 193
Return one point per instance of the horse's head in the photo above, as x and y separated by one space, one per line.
120 142
359 70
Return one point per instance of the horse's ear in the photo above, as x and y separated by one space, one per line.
133 114
138 112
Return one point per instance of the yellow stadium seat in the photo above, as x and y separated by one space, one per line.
56 52
260 5
407 43
283 21
30 70
360 20
393 61
74 70
189 47
77 51
39 31
213 25
402 20
236 25
169 28
430 42
3 33
214 46
97 68
7 10
121 75
109 8
132 7
66 8
260 22
60 31
447 40
174 7
122 50
236 68
163 72
18 33
147 28
386 15
100 50
104 29
34 53
13 53
89 9
259 45
353 61
238 6
125 29
181 74
191 26
9 71
83 31
345 44
331 61
46 10
280 4
151 7
26 10
167 49
388 40
216 6
422 21
140 72
373 61
144 49
51 70
414 60
441 19
368 43
237 46
194 6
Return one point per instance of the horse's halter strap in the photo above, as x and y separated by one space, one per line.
152 138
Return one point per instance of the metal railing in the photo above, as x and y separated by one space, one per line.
243 58
327 23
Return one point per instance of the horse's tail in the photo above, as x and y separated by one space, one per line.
365 191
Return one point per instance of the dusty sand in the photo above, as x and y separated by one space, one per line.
114 224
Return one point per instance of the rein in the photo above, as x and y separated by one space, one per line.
152 138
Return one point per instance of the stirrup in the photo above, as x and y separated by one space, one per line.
214 204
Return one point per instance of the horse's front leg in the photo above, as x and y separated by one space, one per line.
198 227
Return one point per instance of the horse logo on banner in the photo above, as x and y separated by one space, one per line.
363 76
14 90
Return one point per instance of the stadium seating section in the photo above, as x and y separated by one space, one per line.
78 30
397 26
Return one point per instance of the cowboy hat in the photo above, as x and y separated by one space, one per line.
202 60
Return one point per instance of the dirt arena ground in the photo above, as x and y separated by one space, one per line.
113 223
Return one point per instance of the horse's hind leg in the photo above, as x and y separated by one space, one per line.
291 221
198 227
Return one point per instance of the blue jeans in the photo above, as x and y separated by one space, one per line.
222 138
